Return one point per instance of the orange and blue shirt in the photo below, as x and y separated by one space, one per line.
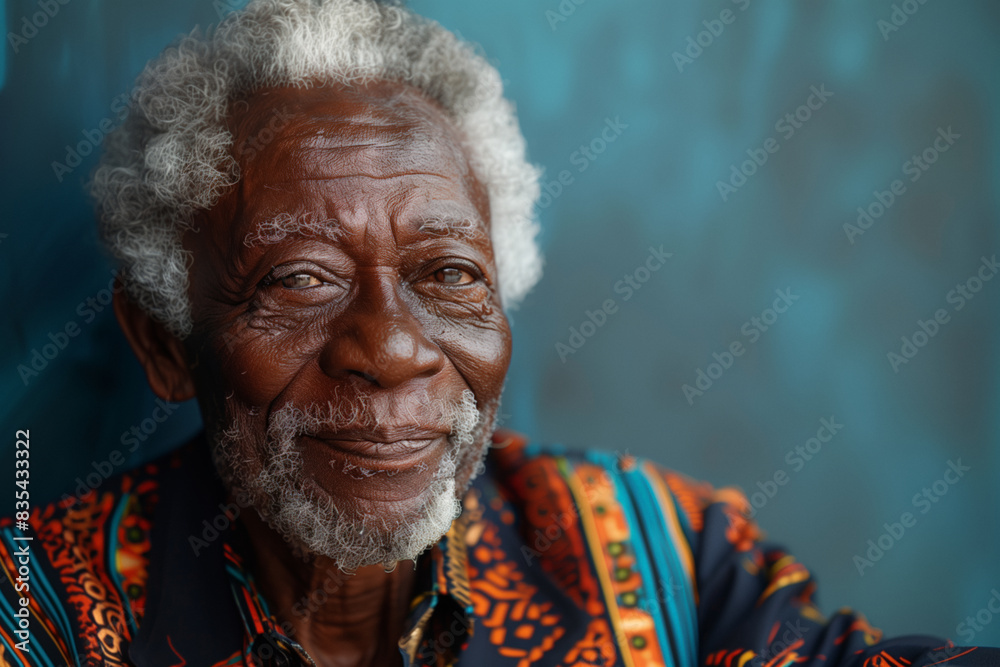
559 558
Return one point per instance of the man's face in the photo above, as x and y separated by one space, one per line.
347 319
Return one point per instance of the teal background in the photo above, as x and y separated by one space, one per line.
655 184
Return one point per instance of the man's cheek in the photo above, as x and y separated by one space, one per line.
495 350
254 373
482 356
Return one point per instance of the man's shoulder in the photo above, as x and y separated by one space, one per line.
602 478
84 505
79 564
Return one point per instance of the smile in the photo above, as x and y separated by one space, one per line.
383 456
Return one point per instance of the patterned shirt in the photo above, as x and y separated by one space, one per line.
559 558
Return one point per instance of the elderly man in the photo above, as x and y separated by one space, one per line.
321 211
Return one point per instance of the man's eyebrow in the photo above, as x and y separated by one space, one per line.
462 228
277 228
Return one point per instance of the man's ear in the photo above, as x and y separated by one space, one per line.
161 354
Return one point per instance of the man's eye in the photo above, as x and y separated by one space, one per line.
453 276
299 281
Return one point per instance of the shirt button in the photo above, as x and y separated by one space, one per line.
266 654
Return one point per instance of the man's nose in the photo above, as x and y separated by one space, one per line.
378 338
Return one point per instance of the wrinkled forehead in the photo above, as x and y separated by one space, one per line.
345 142
381 130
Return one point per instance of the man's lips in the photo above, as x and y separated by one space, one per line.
384 449
384 434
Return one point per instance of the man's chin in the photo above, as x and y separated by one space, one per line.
369 532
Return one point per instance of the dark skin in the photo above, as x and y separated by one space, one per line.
396 300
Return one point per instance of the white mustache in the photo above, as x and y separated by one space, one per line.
358 412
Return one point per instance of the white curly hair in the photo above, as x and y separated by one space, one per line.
173 155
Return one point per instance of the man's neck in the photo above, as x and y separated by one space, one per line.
339 619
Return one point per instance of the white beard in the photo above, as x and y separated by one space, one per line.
269 470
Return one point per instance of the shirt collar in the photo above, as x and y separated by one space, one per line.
444 607
262 636
441 601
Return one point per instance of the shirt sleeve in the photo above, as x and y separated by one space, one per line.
755 601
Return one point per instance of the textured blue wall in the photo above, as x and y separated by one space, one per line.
679 127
